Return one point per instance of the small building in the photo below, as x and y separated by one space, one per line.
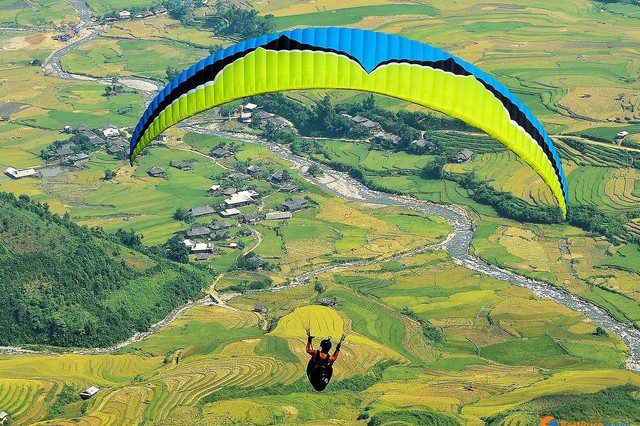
219 225
288 188
4 416
386 138
124 14
111 132
118 147
14 173
80 128
63 150
245 232
182 165
89 392
370 125
253 169
229 191
295 204
230 212
94 139
78 160
277 177
214 188
622 134
328 302
261 116
250 218
157 171
188 243
238 175
198 231
241 198
202 257
249 106
203 248
221 153
277 122
423 144
161 10
201 211
260 309
278 215
464 155
4 118
233 245
245 117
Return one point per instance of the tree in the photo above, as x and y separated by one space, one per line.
176 250
129 238
109 174
318 287
435 169
183 215
600 331
315 170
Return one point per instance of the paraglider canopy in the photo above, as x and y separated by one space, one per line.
348 58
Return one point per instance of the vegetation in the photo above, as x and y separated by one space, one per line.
60 279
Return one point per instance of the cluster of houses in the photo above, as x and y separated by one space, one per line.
124 14
251 113
200 238
109 136
67 35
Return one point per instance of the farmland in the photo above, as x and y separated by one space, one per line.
427 339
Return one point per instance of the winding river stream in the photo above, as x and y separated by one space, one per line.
457 244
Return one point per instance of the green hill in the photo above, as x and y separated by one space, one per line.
61 283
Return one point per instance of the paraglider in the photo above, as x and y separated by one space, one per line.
349 58
320 366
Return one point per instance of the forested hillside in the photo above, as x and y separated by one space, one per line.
62 283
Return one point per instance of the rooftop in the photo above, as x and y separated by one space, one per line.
278 215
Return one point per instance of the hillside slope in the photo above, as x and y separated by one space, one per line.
61 282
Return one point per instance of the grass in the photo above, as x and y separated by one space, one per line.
352 15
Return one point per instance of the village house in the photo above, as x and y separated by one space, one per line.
245 117
289 187
464 155
14 173
78 160
386 138
4 118
238 175
260 116
124 14
161 10
157 171
198 231
233 245
4 416
81 128
203 248
277 177
277 122
221 153
229 191
182 165
62 151
219 225
111 132
89 392
245 232
230 212
93 138
201 211
253 169
249 106
189 243
623 134
250 218
202 257
370 125
328 302
294 204
260 309
214 188
278 216
423 144
241 198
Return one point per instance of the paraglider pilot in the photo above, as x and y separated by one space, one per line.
320 367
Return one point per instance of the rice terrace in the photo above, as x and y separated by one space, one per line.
453 187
